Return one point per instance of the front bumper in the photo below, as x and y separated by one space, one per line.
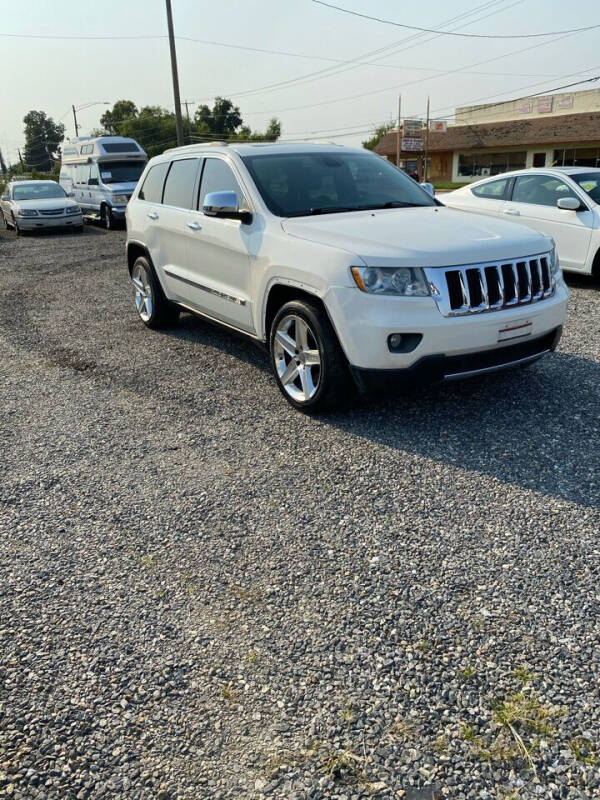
439 368
363 323
39 223
118 212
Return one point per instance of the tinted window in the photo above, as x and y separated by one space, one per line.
153 185
179 188
217 176
494 190
590 183
120 147
297 184
540 190
121 171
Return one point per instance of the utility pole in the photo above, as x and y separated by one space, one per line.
427 145
178 119
187 110
398 131
21 158
75 120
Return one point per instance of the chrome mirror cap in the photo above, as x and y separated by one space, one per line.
218 204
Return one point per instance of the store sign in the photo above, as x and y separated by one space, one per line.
412 127
412 144
438 126
565 101
544 104
525 107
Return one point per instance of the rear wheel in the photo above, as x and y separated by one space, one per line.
153 308
307 359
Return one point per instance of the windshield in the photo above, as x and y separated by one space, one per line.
38 191
299 184
590 183
121 171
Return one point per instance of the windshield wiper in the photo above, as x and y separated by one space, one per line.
394 204
333 209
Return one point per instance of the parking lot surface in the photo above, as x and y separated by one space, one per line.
204 594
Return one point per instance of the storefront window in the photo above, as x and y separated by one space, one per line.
580 157
479 165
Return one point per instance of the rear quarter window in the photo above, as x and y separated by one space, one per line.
494 190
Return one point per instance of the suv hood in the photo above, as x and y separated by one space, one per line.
432 236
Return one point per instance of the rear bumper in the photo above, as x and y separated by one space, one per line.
437 368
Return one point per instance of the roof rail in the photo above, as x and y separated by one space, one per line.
195 145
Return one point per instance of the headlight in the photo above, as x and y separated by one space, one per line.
73 210
27 212
119 199
405 281
554 261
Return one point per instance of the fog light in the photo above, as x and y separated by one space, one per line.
395 340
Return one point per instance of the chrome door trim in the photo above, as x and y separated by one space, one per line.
219 322
237 300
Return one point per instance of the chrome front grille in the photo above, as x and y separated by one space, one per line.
52 212
479 288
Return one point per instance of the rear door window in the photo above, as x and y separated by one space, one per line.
493 190
540 190
152 190
179 187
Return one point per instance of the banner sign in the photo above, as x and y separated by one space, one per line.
412 127
438 126
565 101
412 144
525 107
544 104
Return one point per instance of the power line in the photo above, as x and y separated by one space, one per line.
454 33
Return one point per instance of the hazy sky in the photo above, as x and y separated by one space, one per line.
51 74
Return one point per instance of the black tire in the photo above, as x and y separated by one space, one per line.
163 314
5 221
108 221
16 227
334 385
78 229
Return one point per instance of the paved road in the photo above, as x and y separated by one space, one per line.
204 594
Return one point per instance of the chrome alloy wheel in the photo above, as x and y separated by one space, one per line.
144 298
297 358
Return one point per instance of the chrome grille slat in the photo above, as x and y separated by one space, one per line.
492 286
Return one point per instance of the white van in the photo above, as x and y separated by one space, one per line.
100 174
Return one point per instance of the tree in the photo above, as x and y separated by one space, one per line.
43 138
378 134
112 119
223 119
3 168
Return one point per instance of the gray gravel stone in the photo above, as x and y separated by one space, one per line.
204 594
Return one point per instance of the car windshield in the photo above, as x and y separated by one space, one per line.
38 191
300 184
121 171
590 183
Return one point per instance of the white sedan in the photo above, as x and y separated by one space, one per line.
33 205
563 202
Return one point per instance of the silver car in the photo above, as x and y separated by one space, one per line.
35 205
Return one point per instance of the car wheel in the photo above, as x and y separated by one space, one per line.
15 226
4 221
153 308
307 360
107 218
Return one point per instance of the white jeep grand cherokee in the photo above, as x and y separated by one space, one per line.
342 264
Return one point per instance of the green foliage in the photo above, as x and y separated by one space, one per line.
378 134
155 129
43 138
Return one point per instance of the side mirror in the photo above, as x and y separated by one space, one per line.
569 203
225 206
429 188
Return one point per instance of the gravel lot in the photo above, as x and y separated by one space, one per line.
204 594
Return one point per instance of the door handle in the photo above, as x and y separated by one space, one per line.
512 211
152 215
195 226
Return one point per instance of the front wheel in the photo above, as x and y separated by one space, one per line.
307 360
107 217
153 308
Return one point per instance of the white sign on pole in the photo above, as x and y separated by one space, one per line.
412 144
